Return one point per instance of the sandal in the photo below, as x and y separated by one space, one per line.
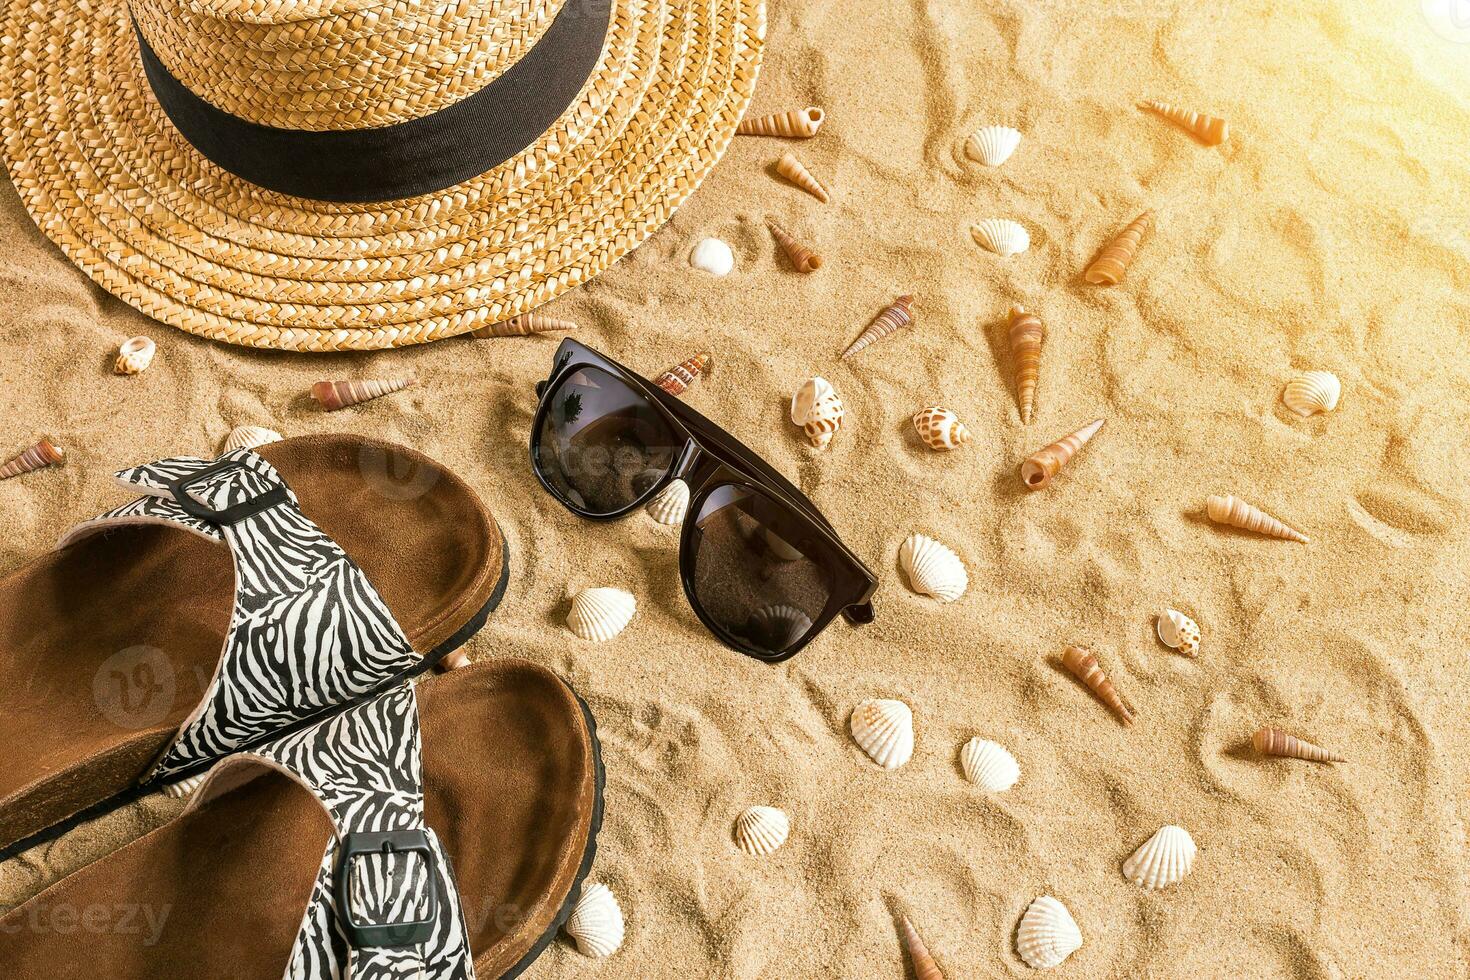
456 863
128 666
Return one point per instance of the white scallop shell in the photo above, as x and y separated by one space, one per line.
884 729
992 145
601 614
596 923
713 256
1163 860
1047 934
249 437
671 503
1313 392
988 765
1178 631
779 624
1002 236
933 569
761 830
134 356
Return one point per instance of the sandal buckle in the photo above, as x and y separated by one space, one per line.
387 935
233 514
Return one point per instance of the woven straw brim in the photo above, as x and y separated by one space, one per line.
105 175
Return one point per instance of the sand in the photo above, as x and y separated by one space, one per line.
1331 232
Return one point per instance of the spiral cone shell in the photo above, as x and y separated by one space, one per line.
802 257
601 614
596 923
817 409
1208 129
1026 333
1313 392
933 569
1238 513
796 124
249 437
1113 261
135 354
670 504
1083 665
895 316
992 145
522 326
335 395
761 830
1002 236
1274 741
884 729
942 429
988 765
1047 934
1178 631
1039 468
43 453
677 379
924 966
1164 859
793 170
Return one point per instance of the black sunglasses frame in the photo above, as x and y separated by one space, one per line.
711 458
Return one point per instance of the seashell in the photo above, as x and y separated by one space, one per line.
817 409
933 569
454 660
677 379
1178 631
1113 261
335 395
992 145
249 437
988 765
793 170
1164 859
1039 468
924 966
884 729
184 788
1313 392
596 922
713 256
522 326
761 830
802 257
1026 332
1083 665
134 356
796 124
1208 129
601 614
1047 934
43 453
778 626
942 429
1001 236
1238 513
1274 741
671 503
896 315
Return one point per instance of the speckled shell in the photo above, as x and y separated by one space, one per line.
522 326
334 395
992 145
796 124
1112 263
601 614
135 354
596 923
249 437
933 569
1084 666
923 961
1273 741
1178 631
988 765
1238 513
761 830
1163 860
817 409
43 453
1207 129
1002 236
1047 934
1313 392
884 729
670 504
896 315
796 172
941 429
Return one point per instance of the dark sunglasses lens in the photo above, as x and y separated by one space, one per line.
760 571
602 445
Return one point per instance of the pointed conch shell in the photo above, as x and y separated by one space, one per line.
1164 859
942 429
1274 741
1179 632
601 614
988 765
134 356
522 326
1113 261
992 145
924 966
1238 513
796 124
761 830
1083 665
884 729
342 394
793 170
895 316
1313 392
596 923
249 437
1039 468
817 409
1047 934
1001 236
670 504
802 257
933 569
1026 332
677 379
43 453
1208 129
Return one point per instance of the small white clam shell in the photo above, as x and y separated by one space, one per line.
1178 631
1163 860
249 437
992 145
933 569
1047 934
713 256
596 923
134 356
671 503
988 765
1002 236
884 729
601 614
1313 392
761 830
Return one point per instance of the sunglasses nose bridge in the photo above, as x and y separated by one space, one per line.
694 465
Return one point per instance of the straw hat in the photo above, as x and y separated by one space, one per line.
331 174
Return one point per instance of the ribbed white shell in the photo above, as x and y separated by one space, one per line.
601 614
1178 631
780 623
185 787
249 437
761 830
988 765
671 503
1313 392
992 145
596 924
1002 236
884 729
933 569
1047 934
1163 860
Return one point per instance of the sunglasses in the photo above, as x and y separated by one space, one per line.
763 569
